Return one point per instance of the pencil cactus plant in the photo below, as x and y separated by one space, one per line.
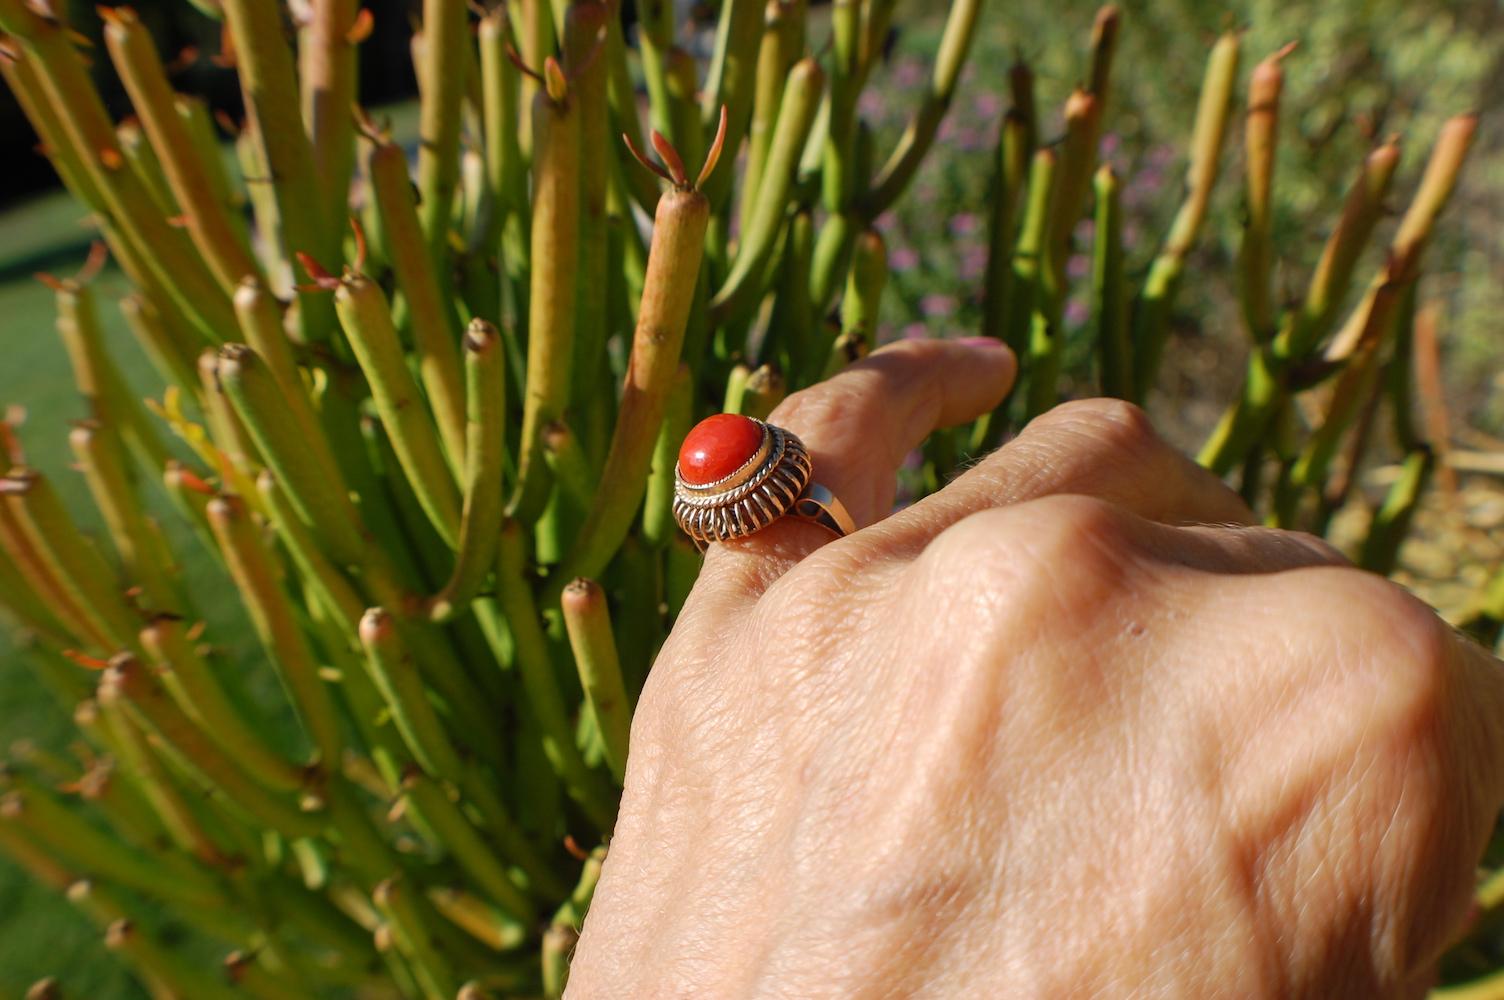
425 419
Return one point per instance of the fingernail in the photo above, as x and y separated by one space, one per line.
990 343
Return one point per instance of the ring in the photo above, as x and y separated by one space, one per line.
737 475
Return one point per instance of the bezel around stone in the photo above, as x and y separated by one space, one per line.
760 491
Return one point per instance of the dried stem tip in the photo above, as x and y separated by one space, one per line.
376 626
45 989
481 337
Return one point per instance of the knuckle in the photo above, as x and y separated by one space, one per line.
1068 530
1393 652
1116 423
1065 549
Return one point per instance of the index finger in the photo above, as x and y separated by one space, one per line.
858 427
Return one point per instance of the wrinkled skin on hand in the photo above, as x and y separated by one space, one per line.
1070 727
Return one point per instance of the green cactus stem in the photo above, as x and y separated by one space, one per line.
506 172
657 514
1302 328
1151 313
621 95
662 318
1009 178
268 82
38 862
588 622
198 693
1109 288
1361 212
838 173
112 725
72 101
655 37
895 174
30 607
864 287
1076 163
36 573
1104 43
736 388
249 973
1357 383
105 786
554 276
215 772
110 400
394 898
584 40
792 330
396 677
141 71
228 446
465 843
485 438
764 390
272 616
67 558
81 847
170 356
143 552
327 76
430 314
307 471
143 162
563 931
781 45
158 964
540 684
743 285
199 127
366 319
1260 139
847 349
261 324
19 71
1391 523
477 917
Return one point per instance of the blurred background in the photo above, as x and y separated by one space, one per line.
1360 71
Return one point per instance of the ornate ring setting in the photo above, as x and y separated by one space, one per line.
736 475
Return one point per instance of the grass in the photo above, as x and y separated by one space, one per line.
40 933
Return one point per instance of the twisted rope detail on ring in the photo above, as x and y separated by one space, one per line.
760 491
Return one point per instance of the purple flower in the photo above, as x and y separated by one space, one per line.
902 258
937 306
973 262
873 104
1077 266
1076 312
886 221
916 331
964 223
987 105
968 139
908 72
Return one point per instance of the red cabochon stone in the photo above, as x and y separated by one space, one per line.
717 446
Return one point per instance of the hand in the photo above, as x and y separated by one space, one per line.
1072 726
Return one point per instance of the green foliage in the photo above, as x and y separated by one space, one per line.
395 445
